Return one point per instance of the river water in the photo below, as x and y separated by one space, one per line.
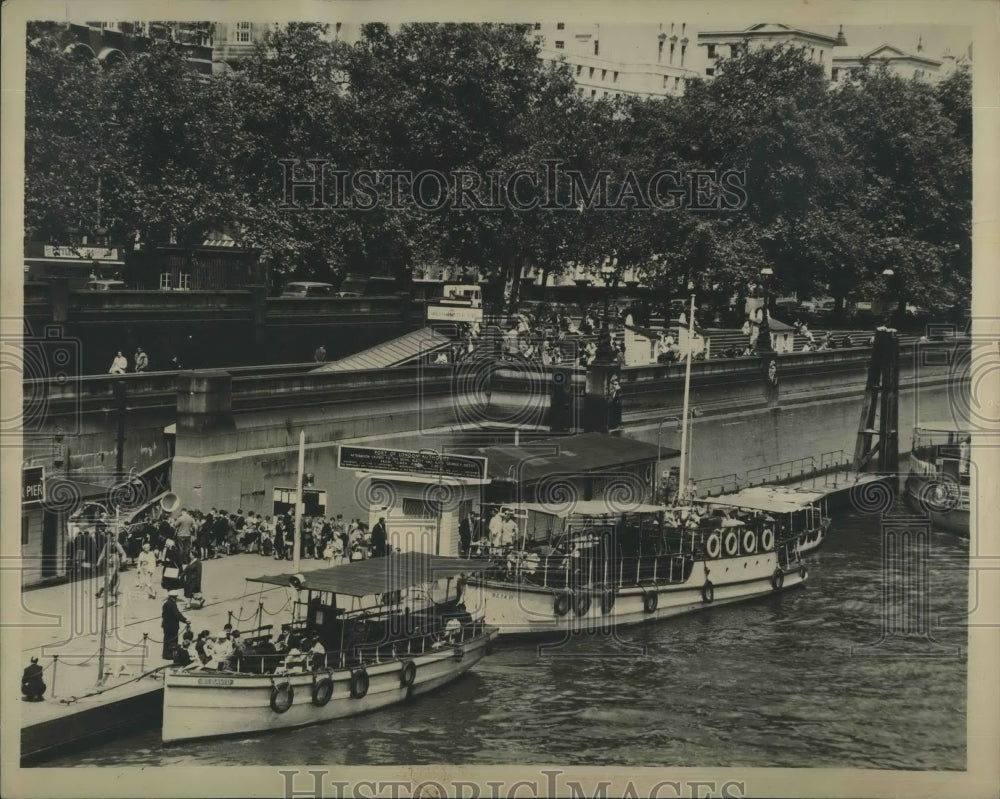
802 679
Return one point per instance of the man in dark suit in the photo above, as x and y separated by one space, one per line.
32 684
465 536
171 624
379 538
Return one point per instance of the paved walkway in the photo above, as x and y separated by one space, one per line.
67 623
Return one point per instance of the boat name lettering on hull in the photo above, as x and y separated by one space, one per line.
215 681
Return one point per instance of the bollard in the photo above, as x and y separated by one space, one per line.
142 665
55 665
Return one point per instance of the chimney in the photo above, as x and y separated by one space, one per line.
841 39
920 44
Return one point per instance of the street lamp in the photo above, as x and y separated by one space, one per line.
888 275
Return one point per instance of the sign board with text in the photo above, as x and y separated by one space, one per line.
453 313
313 498
85 253
32 485
402 461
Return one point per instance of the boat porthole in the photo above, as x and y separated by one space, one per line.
359 683
582 604
282 695
732 543
649 602
778 579
408 674
707 593
322 691
561 604
714 545
749 542
607 602
459 652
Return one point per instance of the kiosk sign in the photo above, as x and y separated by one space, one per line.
402 461
32 485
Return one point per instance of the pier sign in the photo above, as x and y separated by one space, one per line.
32 485
403 461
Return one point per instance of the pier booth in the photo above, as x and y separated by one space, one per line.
422 495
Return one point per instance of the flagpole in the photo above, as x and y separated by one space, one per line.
299 504
681 482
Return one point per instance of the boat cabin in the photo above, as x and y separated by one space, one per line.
941 449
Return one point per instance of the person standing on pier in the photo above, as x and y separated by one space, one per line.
171 624
119 365
141 360
32 684
465 536
184 527
379 538
192 580
145 567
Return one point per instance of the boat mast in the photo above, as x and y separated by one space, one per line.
300 505
681 482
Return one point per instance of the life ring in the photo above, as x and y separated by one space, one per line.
282 696
322 690
803 573
408 674
732 543
778 579
561 604
649 602
749 542
359 683
767 540
708 593
459 652
607 602
713 545
581 604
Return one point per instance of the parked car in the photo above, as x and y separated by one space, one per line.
307 288
105 285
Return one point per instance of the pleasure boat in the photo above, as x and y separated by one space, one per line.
938 481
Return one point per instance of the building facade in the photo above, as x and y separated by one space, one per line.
718 44
847 61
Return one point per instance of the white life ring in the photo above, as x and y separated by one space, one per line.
749 542
767 540
714 545
732 543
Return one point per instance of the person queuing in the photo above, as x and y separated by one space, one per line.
170 622
32 685
379 538
145 569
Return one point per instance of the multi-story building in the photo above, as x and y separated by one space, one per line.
616 60
717 44
847 60
235 41
112 43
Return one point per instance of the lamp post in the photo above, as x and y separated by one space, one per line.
764 331
888 276
440 494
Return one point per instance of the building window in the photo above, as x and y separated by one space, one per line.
684 48
593 92
605 94
591 72
659 51
711 51
665 79
821 54
419 509
710 71
579 68
812 53
597 47
616 77
677 82
243 32
835 74
538 26
560 44
560 26
604 74
672 46
683 28
164 281
184 281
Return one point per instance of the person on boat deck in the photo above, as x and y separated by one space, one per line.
379 538
185 655
294 659
452 629
222 650
496 528
171 623
465 536
204 649
508 535
318 654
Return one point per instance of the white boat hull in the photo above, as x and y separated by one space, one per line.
203 704
518 609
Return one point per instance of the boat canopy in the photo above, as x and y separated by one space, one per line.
377 575
785 502
594 507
